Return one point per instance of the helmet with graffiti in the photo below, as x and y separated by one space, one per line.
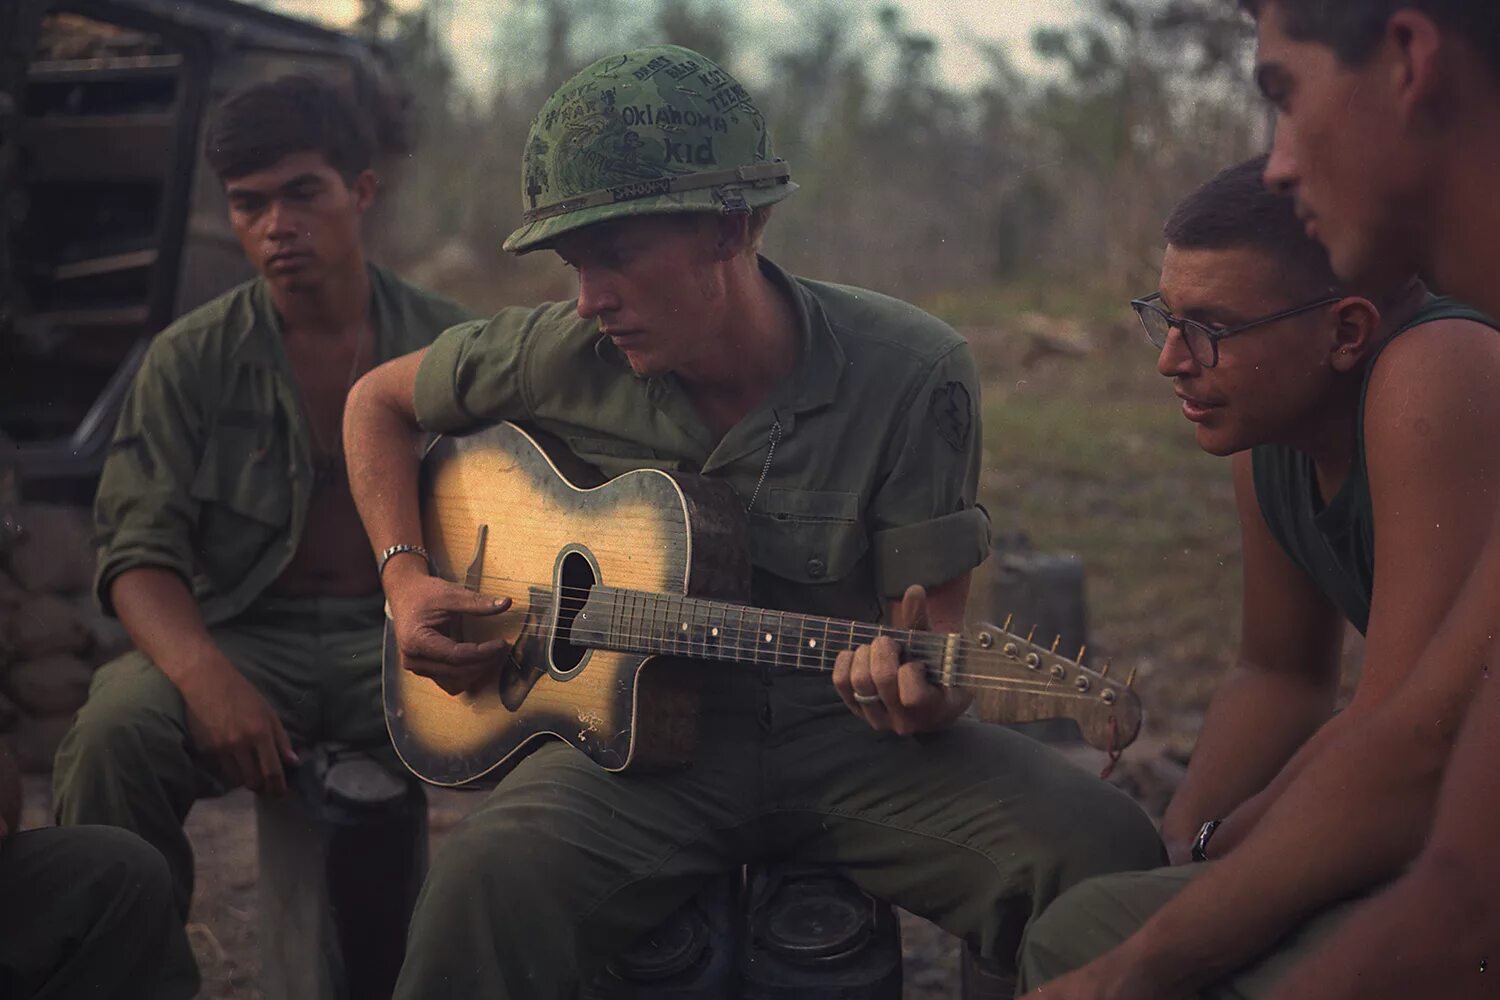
655 130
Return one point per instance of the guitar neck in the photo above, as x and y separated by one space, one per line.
1013 679
664 624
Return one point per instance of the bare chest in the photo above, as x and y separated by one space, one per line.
324 367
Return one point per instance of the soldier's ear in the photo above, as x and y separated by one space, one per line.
1357 322
364 186
732 236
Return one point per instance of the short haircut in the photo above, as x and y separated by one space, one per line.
1353 28
1236 210
263 123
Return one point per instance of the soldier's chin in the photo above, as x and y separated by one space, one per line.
1219 441
302 279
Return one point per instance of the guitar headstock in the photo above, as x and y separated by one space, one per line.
1015 680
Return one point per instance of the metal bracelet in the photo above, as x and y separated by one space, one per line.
402 549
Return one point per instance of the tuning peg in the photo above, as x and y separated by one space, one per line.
1131 679
1031 634
1008 620
1081 650
1056 641
1104 670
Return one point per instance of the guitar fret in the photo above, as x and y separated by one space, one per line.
614 617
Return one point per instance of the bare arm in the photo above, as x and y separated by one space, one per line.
1436 931
1433 502
230 721
1279 691
1358 811
381 442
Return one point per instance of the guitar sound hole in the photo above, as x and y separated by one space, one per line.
575 578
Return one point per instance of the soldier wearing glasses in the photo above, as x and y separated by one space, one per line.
1363 500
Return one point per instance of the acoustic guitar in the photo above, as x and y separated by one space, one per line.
625 595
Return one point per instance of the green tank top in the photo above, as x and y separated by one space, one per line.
1334 544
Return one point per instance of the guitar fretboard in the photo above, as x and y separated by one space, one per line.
711 630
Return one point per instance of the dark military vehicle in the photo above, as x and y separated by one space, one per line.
110 223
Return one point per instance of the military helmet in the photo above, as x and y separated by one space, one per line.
659 129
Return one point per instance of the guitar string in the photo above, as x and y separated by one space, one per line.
740 632
1058 688
575 591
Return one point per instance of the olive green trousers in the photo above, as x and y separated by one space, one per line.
564 864
87 912
1094 917
128 761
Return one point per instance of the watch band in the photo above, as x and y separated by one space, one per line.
1200 842
402 549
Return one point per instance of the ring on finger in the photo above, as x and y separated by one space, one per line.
866 699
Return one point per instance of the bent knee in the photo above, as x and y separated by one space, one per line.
1090 829
1080 925
124 717
118 862
499 851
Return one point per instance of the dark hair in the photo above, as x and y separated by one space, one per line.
264 122
1353 28
1235 209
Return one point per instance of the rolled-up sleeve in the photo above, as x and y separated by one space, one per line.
475 373
928 529
144 512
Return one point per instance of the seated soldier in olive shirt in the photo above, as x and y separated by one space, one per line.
847 423
1363 502
230 548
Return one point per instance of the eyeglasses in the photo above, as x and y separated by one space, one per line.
1203 341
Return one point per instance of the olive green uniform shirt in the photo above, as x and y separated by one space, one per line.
210 472
859 470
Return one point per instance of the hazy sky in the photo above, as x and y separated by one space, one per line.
953 22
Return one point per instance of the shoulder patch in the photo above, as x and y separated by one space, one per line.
953 413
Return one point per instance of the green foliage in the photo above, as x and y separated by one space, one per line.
910 183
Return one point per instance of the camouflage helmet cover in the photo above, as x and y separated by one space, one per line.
655 130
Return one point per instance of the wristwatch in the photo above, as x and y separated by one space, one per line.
1200 842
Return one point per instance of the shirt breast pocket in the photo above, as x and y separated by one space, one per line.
245 470
808 536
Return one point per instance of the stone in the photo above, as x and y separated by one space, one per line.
55 554
45 624
50 685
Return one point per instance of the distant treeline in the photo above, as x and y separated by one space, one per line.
909 183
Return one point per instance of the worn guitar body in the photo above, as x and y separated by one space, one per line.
646 530
626 595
